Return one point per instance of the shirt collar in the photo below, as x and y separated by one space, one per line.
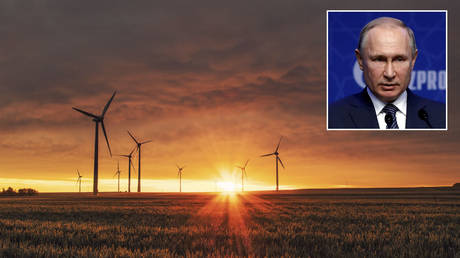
400 102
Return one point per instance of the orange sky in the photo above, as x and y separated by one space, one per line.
211 87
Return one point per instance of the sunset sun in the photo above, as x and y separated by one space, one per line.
226 186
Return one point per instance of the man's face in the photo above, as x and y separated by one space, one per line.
386 60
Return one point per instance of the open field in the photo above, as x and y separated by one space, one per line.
416 222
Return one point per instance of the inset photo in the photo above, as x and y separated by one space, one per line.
387 70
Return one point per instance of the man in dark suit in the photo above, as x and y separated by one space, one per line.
386 54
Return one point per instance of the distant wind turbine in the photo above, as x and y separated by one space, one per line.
130 164
243 172
97 120
118 172
79 181
179 173
276 153
139 144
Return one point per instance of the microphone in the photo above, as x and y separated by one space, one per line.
388 120
422 114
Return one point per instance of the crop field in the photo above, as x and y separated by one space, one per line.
318 223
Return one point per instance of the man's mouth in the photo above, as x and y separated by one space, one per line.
389 86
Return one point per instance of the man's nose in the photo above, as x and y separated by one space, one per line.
389 71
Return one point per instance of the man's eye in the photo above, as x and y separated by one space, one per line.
378 59
400 59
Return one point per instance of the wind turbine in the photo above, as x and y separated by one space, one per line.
79 181
97 120
129 156
118 172
139 144
243 171
276 153
179 173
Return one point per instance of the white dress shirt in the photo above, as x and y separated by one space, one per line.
400 103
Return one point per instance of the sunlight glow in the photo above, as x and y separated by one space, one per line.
226 186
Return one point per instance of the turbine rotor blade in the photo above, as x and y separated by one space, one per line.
246 163
133 137
136 149
132 165
267 155
78 172
132 151
277 147
86 113
146 141
106 139
108 104
281 162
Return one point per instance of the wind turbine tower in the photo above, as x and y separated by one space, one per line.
130 164
79 181
118 172
139 144
98 120
277 158
243 173
179 173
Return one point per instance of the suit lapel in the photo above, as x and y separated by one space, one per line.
362 112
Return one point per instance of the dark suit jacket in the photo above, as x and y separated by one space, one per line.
357 111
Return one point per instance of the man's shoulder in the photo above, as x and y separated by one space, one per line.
354 111
422 101
421 108
354 100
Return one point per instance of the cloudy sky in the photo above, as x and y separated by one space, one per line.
211 83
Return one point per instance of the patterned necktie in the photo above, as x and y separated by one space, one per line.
390 117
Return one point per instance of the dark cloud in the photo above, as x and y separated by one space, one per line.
57 51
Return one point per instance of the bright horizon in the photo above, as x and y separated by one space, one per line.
167 185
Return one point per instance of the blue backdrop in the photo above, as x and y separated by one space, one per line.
429 75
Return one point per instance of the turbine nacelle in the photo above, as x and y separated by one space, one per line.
179 169
138 143
100 119
243 168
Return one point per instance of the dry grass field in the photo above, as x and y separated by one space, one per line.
423 222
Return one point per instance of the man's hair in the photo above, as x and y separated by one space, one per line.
391 22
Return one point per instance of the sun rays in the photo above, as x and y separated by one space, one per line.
229 216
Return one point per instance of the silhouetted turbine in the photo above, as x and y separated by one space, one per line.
276 153
97 120
243 171
139 144
118 172
129 156
179 173
79 181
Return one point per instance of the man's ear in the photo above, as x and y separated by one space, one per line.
413 59
359 58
